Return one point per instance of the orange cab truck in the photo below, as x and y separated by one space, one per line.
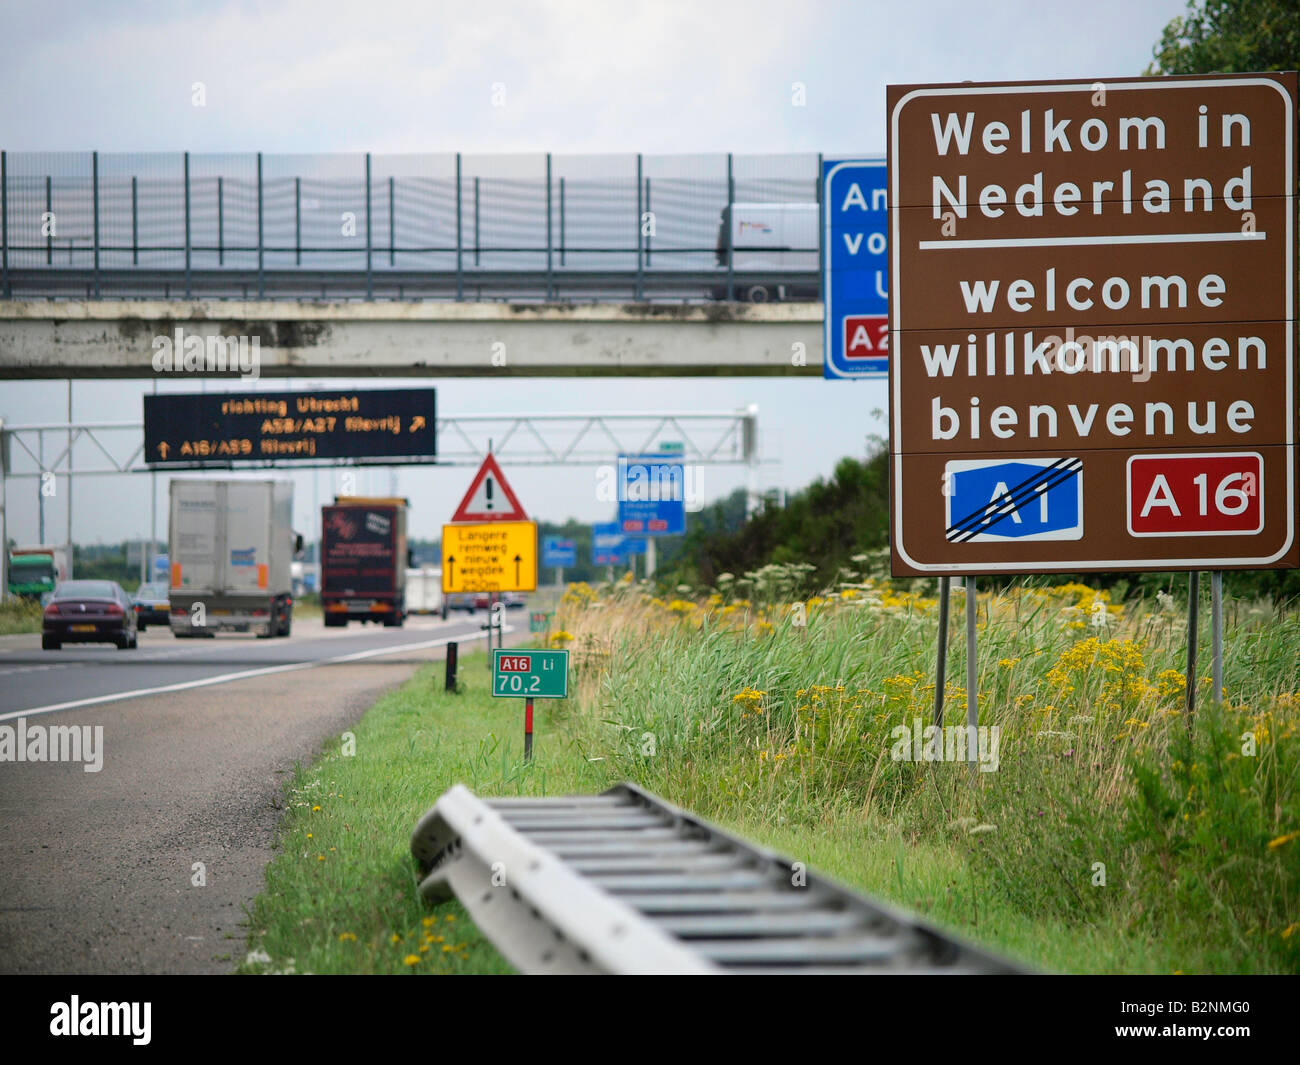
364 556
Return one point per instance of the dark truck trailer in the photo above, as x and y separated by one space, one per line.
364 556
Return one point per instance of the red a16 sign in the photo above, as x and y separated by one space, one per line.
1215 493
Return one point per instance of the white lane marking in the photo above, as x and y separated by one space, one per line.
36 669
147 654
226 678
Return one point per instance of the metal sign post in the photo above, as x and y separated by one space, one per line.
972 674
1193 615
1216 633
940 678
531 675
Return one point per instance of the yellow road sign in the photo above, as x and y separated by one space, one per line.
490 556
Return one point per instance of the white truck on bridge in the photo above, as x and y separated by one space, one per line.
771 239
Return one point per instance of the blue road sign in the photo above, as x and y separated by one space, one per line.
609 547
855 268
557 551
651 495
995 501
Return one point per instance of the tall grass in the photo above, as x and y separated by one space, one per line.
19 615
1107 803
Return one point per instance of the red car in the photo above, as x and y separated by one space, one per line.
510 600
89 612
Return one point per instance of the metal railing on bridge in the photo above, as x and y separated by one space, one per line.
94 225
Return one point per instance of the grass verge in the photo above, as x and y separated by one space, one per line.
1107 839
341 895
19 616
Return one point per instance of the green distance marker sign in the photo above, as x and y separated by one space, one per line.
530 674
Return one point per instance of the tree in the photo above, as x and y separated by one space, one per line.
1230 37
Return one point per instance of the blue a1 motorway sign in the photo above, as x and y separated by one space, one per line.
557 551
609 547
855 268
651 495
994 500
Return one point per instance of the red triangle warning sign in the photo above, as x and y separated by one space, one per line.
490 497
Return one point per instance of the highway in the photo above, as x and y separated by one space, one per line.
34 682
199 738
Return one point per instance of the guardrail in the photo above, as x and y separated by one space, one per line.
624 882
366 226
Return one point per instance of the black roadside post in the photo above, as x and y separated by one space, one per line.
452 652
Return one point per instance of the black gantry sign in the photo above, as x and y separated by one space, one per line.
220 429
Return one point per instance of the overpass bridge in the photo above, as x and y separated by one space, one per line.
128 338
365 264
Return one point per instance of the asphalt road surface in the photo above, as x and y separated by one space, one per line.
198 739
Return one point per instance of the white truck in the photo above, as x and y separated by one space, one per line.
767 241
231 546
424 591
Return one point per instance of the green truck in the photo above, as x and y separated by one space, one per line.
35 570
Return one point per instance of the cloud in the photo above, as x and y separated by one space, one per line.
579 76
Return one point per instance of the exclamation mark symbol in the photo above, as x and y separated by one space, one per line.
487 484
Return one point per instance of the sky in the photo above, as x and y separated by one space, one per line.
575 78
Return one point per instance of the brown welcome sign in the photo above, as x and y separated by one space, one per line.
1093 325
